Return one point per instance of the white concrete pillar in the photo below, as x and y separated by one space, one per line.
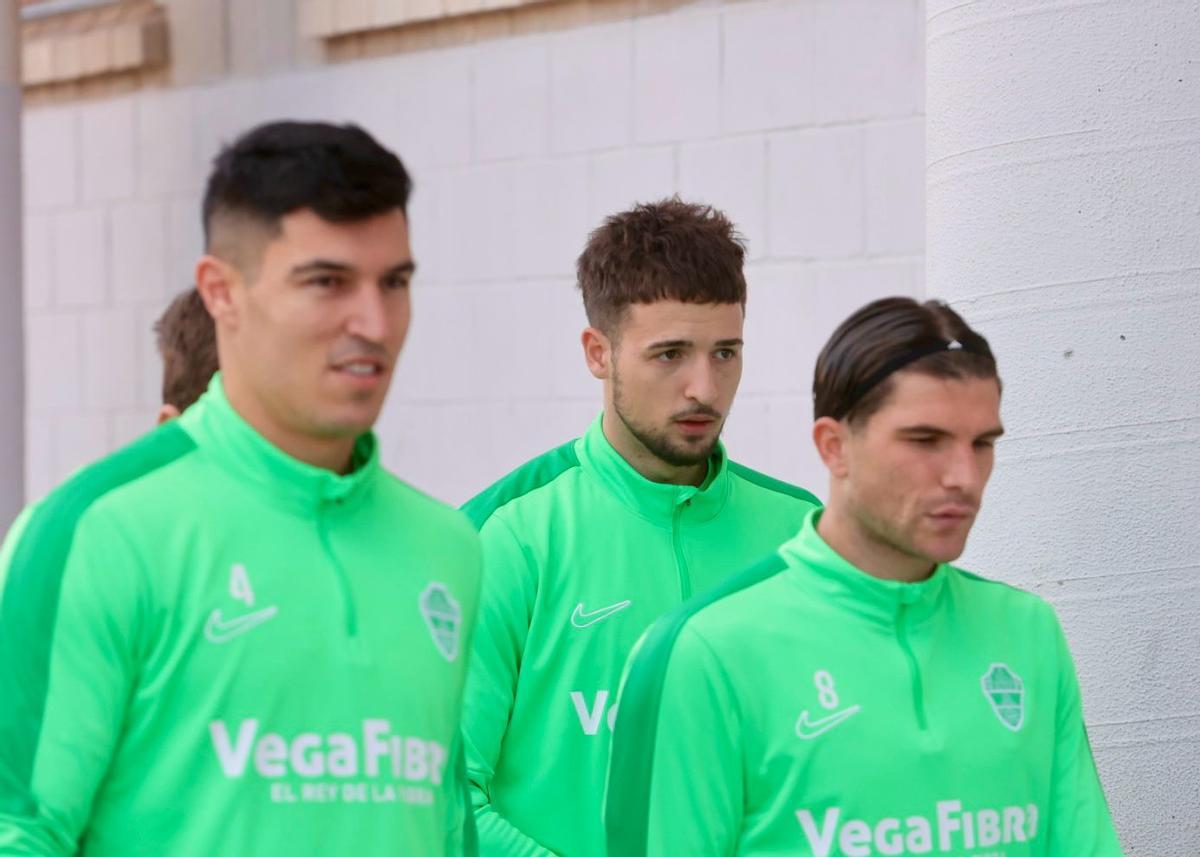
1063 193
12 348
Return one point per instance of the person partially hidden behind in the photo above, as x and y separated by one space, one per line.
589 543
187 343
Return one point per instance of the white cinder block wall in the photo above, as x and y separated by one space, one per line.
12 322
802 119
1064 219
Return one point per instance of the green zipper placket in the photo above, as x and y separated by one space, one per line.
914 669
681 566
343 581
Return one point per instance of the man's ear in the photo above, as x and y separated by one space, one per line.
597 352
166 413
216 280
831 437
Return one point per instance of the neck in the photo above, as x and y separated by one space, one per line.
853 543
643 460
328 453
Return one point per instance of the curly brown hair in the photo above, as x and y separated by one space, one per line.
187 341
665 250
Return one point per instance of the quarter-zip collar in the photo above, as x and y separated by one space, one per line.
816 565
222 433
660 503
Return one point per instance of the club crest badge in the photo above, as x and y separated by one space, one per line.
1005 692
443 618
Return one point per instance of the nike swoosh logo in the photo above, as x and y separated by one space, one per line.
582 620
218 629
807 729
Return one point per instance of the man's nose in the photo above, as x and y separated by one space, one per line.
962 470
369 318
701 382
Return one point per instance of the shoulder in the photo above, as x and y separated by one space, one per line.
528 483
740 610
997 596
11 538
126 483
701 618
996 590
424 511
98 506
771 488
14 532
423 533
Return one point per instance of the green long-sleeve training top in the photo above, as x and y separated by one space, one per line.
208 647
809 709
581 554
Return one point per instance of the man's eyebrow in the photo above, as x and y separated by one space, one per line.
922 429
991 433
329 266
408 267
687 343
321 266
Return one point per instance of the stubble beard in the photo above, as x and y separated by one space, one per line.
898 537
657 443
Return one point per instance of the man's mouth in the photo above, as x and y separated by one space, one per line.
695 424
952 512
360 368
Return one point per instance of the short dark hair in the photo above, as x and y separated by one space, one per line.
852 378
187 342
665 250
338 171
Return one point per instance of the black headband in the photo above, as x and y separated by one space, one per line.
971 345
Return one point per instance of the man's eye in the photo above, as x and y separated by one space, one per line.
985 444
399 281
327 281
667 356
924 439
726 354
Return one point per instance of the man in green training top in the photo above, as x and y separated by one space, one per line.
854 694
239 635
586 545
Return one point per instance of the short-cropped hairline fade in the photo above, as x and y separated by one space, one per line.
338 171
664 250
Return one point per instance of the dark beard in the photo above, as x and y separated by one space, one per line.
659 446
